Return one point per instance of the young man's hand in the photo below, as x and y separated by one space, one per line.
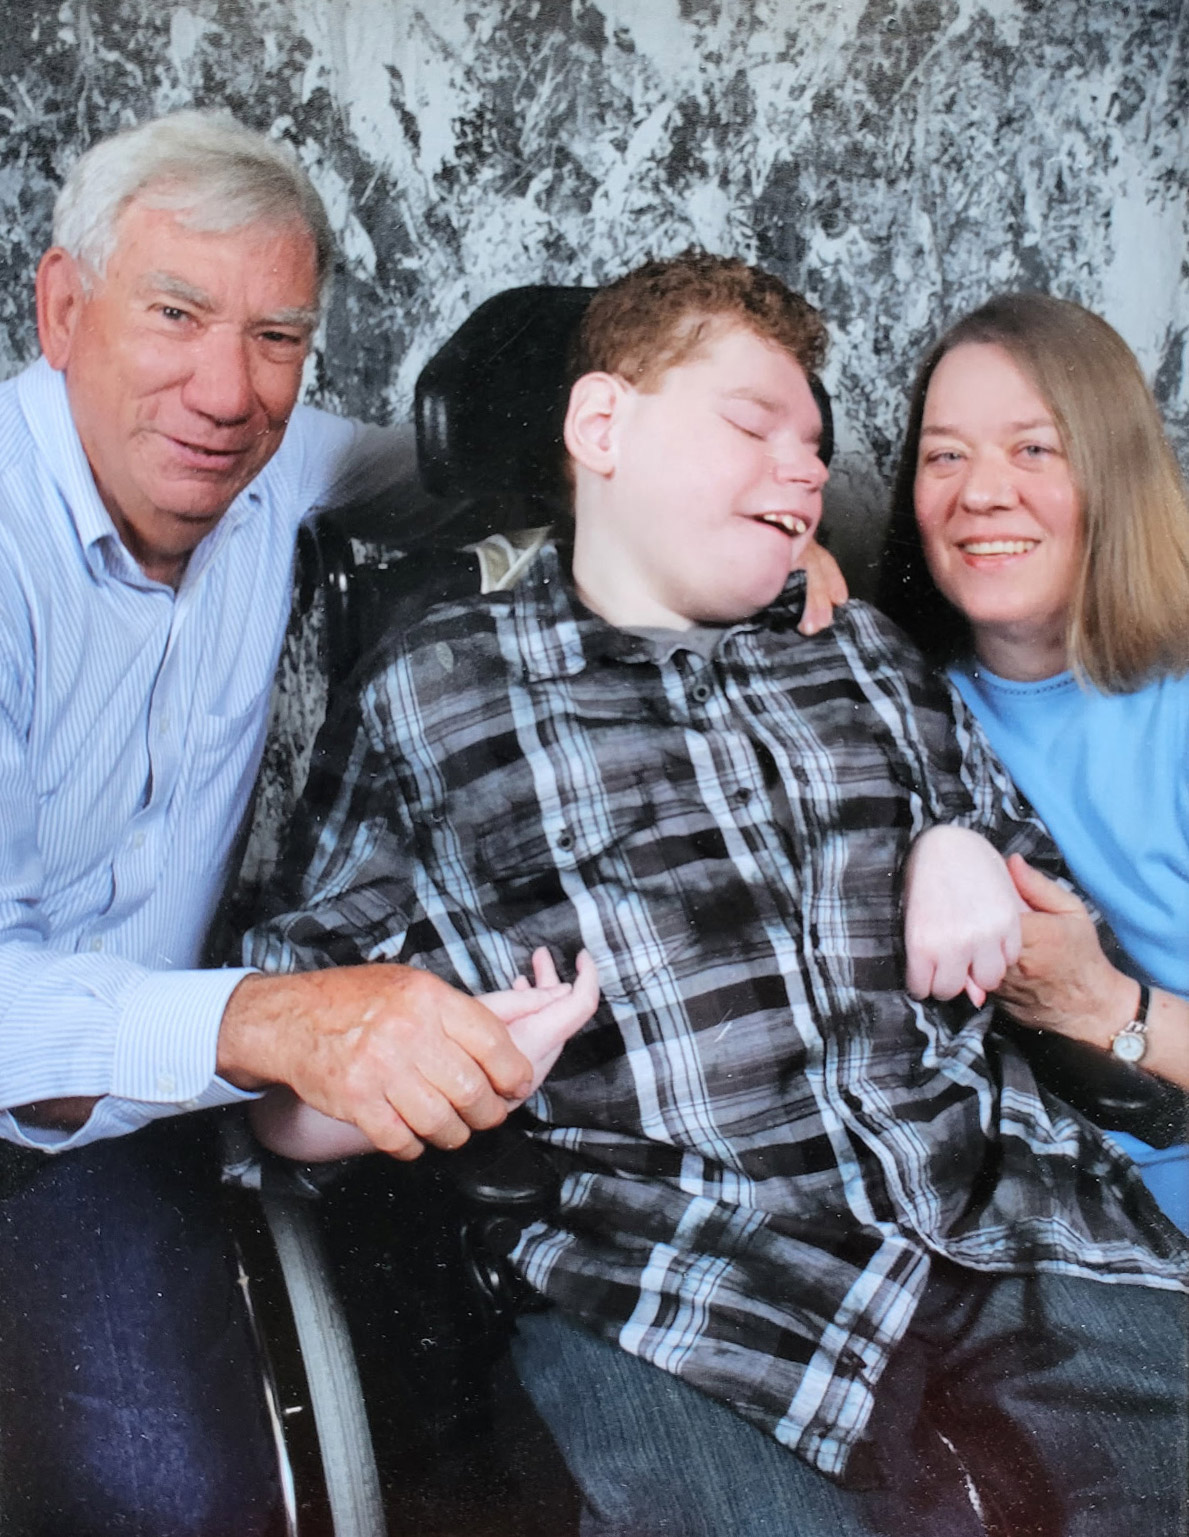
961 916
825 587
542 1018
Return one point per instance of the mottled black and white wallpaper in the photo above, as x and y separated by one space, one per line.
898 160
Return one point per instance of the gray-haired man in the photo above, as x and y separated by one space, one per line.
154 467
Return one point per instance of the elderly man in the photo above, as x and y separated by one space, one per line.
155 467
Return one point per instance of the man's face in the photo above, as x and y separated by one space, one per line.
182 366
715 488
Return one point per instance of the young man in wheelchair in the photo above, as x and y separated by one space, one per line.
827 1257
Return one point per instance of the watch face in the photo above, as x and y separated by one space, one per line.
1129 1045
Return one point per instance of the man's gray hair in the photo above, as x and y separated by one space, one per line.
212 171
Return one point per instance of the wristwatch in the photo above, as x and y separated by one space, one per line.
1131 1043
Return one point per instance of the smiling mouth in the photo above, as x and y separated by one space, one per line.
788 521
998 546
199 456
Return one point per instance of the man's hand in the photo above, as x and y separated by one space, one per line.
825 587
1062 981
540 1020
961 916
390 1049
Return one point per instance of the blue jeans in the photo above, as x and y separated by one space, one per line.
1060 1402
130 1397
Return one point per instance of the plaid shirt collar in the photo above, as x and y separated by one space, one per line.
560 637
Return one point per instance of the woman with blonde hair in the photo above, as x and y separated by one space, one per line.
1039 549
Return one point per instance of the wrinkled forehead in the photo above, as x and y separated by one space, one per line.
170 210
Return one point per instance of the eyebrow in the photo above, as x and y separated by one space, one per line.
755 397
942 430
175 287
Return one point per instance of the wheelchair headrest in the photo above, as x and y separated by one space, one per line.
491 403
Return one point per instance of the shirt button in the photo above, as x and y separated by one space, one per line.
97 943
163 726
166 1085
564 839
138 840
700 693
742 795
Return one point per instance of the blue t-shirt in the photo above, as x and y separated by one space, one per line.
1109 773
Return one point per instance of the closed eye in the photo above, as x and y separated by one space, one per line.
755 430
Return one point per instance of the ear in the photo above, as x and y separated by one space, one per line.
61 298
596 403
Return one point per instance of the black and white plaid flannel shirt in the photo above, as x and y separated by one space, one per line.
763 1137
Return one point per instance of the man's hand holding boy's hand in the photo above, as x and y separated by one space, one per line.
540 1017
961 916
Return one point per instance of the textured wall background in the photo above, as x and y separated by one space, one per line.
898 160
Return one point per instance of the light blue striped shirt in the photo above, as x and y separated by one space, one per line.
131 724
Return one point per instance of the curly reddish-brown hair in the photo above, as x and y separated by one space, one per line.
664 312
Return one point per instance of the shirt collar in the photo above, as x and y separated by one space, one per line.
560 637
46 408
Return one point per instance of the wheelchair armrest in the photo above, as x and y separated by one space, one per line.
505 1181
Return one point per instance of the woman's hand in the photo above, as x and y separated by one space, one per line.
825 587
1062 981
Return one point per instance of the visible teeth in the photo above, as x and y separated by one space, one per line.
999 546
785 520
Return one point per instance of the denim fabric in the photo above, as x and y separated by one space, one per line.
653 1457
130 1399
1037 1406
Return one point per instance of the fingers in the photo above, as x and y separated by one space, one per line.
975 969
1041 894
541 1036
544 971
521 999
825 587
480 1039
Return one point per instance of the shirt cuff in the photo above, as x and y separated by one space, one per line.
168 1036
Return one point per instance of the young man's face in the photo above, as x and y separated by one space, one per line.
714 488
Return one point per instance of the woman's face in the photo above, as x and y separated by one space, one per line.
998 511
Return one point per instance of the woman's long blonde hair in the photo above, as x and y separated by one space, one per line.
1129 617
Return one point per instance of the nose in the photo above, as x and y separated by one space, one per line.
220 385
987 485
796 463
